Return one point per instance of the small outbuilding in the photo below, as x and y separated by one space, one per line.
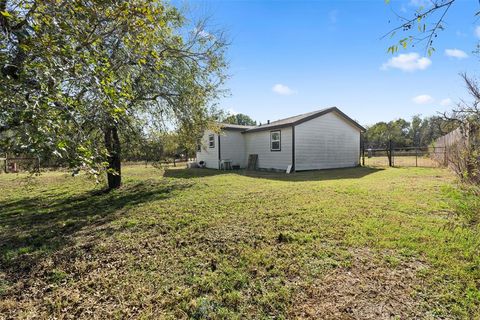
321 139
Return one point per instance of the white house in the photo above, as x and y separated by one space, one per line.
320 139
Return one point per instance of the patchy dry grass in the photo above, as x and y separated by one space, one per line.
372 286
356 243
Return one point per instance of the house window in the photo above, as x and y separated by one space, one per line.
199 147
275 141
211 141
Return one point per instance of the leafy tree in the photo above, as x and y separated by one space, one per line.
376 136
416 133
380 134
77 75
241 119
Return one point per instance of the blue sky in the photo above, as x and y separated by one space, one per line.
290 57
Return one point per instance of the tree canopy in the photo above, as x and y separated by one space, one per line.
76 74
418 132
241 119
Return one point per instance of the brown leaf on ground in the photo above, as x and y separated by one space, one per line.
369 288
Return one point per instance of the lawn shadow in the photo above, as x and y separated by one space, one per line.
188 173
41 225
313 175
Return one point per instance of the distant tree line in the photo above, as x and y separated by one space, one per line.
155 147
419 132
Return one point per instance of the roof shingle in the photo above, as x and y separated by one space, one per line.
234 126
292 121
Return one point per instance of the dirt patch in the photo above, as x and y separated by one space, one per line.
373 286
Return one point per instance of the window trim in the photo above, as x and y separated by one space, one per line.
279 140
199 147
211 142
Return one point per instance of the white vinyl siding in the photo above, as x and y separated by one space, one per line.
209 155
232 147
326 142
259 143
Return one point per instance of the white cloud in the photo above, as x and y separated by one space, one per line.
446 102
282 89
232 112
407 62
423 99
477 31
456 53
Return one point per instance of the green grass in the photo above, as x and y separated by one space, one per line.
352 243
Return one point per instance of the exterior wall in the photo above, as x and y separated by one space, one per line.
259 143
326 142
209 155
232 147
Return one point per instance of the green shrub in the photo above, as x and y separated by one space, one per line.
465 201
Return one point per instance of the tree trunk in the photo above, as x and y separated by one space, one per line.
390 153
112 143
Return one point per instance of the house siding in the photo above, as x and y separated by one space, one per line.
209 155
259 143
326 142
233 147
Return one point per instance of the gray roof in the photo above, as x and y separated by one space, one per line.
228 126
295 120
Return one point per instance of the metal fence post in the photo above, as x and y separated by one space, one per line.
390 154
416 157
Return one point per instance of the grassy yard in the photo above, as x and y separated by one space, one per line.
359 243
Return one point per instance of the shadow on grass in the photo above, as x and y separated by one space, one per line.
314 175
187 173
40 225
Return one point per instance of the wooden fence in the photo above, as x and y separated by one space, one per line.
451 143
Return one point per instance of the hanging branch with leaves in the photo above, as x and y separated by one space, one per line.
420 30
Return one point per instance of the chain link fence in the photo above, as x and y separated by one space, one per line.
405 157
